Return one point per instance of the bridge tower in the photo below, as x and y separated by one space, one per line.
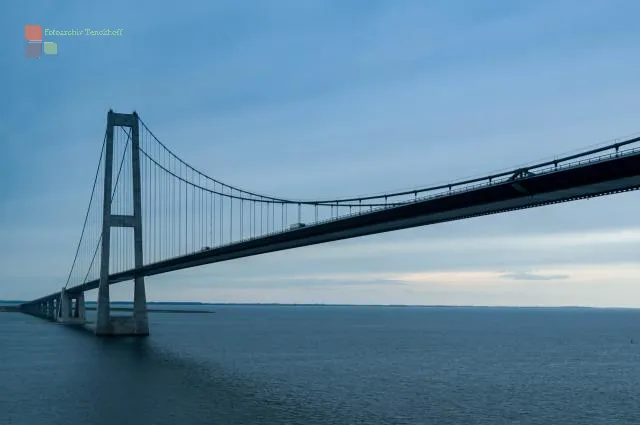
137 325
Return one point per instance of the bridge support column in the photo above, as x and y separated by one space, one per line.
51 309
65 307
137 325
69 315
80 307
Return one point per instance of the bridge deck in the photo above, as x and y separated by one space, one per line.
585 179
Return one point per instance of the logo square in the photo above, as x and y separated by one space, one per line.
50 48
33 50
33 32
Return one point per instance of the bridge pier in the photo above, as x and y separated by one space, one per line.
72 308
51 309
137 324
46 309
80 306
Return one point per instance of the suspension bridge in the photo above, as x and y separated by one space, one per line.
156 214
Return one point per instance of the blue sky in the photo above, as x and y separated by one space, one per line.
373 96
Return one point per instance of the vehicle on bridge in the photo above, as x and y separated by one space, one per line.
297 226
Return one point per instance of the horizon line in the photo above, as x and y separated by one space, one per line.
353 305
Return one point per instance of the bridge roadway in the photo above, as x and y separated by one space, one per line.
538 185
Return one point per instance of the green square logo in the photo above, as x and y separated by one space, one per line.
50 48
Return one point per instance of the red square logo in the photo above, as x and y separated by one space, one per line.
33 32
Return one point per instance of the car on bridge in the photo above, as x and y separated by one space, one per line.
297 226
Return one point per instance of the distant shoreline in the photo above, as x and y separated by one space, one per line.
125 306
9 309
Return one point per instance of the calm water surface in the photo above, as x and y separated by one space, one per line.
329 365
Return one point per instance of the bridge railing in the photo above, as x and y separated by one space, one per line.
488 181
538 171
511 173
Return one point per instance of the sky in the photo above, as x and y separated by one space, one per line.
315 99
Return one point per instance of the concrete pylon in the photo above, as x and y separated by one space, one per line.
64 312
68 315
80 311
137 325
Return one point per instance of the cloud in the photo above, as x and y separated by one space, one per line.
346 282
203 278
534 276
588 285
